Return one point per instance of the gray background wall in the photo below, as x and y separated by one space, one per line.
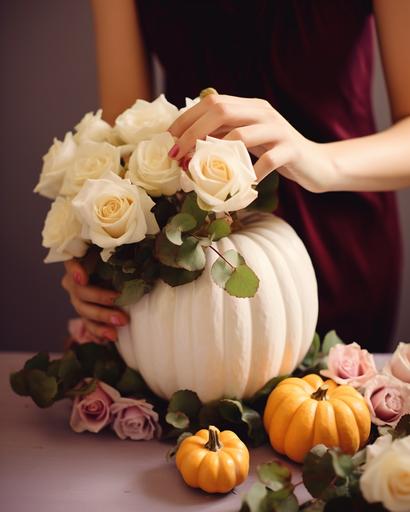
48 82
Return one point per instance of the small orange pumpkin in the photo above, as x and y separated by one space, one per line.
301 413
213 461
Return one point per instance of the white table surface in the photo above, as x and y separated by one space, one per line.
45 466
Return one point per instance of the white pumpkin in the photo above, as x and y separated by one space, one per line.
198 337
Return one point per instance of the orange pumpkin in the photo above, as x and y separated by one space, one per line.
301 413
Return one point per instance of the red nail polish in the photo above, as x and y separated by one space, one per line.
109 336
185 162
117 320
173 151
77 277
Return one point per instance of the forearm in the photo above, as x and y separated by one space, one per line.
123 69
376 162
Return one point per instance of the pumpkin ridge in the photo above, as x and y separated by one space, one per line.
361 414
325 428
347 430
299 434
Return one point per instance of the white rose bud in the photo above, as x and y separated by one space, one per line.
386 476
93 128
93 160
114 212
151 168
144 119
55 164
61 233
222 175
399 364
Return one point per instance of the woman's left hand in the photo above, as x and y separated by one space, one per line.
264 132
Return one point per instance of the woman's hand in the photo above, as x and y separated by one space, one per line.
264 132
93 304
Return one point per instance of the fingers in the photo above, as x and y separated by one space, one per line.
272 160
256 135
76 271
100 331
213 115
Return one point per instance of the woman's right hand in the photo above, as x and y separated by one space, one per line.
95 305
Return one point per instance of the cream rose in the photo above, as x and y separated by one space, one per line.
222 175
114 212
189 104
55 164
93 128
93 160
386 476
62 232
144 119
151 168
399 364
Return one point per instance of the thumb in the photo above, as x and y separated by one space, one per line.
76 271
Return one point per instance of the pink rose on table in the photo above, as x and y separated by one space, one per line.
387 398
135 419
399 364
92 412
350 364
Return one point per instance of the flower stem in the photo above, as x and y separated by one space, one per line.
217 252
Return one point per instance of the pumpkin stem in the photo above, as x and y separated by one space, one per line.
213 443
320 393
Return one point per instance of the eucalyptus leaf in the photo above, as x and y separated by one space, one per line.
275 475
342 463
209 414
318 472
108 371
231 410
219 228
243 282
131 383
253 498
85 389
330 340
163 210
89 353
180 223
191 255
69 370
131 292
42 388
38 362
177 419
267 199
178 276
190 206
185 401
224 266
165 251
402 428
18 383
311 358
267 389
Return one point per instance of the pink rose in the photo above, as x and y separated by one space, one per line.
92 412
387 398
135 419
350 364
399 364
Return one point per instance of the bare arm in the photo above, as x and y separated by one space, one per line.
122 63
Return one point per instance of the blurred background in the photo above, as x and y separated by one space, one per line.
48 83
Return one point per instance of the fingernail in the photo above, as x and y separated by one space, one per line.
117 320
185 162
77 277
173 151
109 336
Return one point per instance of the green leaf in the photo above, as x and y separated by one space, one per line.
179 224
222 270
267 200
69 370
359 458
42 388
311 358
177 419
237 413
275 501
165 251
178 276
85 389
275 475
209 415
313 506
267 389
18 383
402 428
185 401
191 255
219 228
318 472
190 206
231 410
131 383
38 362
108 371
163 210
88 354
330 340
253 498
342 463
104 270
243 282
132 292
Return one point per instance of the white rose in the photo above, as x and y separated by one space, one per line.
114 212
189 104
386 476
222 175
93 160
55 164
144 119
92 127
151 168
399 364
61 233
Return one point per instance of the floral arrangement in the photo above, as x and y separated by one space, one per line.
134 215
107 394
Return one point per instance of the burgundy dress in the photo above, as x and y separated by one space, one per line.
312 60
